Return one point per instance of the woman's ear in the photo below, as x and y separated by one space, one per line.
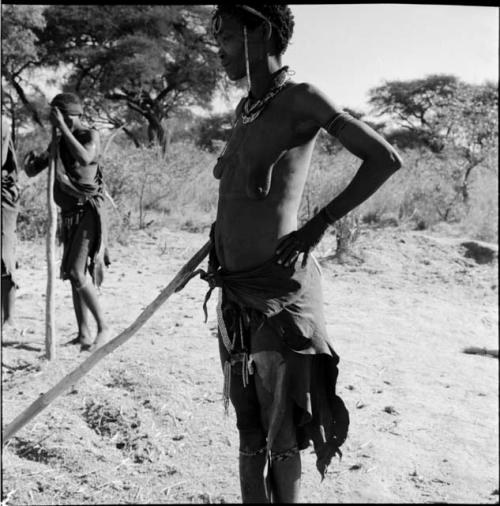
268 30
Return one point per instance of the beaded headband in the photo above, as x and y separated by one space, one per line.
217 20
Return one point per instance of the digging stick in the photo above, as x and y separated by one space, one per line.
44 400
50 338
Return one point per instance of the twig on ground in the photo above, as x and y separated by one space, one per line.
137 494
34 445
8 496
171 487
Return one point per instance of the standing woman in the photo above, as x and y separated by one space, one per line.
10 208
79 192
280 367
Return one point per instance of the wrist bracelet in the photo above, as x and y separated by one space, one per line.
328 219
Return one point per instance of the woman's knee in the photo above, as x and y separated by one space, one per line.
77 277
252 441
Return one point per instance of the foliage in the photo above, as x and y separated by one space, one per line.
328 175
20 53
179 191
455 120
421 106
135 63
148 187
441 110
214 131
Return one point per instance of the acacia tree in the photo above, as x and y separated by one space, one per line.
448 117
422 107
476 129
135 62
20 54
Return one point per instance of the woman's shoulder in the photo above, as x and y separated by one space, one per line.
307 99
304 89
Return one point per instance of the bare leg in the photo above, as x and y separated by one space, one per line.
286 479
252 457
88 295
8 300
81 312
277 413
85 293
252 479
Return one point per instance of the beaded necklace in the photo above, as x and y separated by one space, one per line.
249 112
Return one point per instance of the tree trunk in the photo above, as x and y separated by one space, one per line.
131 136
20 92
464 188
156 132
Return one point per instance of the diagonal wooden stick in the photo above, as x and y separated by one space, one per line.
44 400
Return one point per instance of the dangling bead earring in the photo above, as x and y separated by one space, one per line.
247 61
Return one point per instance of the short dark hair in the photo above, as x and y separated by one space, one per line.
68 103
280 17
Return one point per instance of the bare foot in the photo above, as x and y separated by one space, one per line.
85 342
102 338
76 340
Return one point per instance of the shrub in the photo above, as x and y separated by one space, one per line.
146 185
178 190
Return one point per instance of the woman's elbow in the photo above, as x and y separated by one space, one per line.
85 159
388 159
396 162
31 170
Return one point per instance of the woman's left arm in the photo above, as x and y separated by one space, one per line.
379 161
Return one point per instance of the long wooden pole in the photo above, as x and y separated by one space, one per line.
50 337
44 400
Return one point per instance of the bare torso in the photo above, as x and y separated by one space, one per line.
262 175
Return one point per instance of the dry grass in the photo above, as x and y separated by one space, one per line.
179 190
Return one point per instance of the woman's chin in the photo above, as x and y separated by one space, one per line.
234 76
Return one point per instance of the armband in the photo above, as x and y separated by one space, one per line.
338 122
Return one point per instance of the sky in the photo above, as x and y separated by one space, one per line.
346 49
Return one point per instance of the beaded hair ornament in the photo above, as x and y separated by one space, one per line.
217 26
250 113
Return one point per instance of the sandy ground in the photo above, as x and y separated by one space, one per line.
146 425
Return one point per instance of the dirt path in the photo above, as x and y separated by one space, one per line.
147 424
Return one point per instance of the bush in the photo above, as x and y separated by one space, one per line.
327 177
481 220
179 190
32 218
147 186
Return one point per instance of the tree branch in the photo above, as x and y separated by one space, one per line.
31 108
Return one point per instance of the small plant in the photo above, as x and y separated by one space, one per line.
347 232
123 428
